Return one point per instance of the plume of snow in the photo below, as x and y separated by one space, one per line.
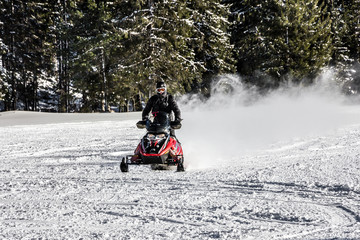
236 121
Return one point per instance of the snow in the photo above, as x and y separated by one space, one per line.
284 168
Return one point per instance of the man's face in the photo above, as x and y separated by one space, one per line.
161 90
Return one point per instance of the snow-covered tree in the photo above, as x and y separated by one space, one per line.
213 48
60 30
281 38
247 17
348 51
26 56
94 45
157 36
300 38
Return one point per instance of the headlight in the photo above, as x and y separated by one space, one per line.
151 136
160 135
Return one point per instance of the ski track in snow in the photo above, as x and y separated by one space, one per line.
62 181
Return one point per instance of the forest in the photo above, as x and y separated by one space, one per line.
92 55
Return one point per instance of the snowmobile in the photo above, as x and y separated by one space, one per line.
157 148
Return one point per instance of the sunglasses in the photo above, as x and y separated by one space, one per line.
160 90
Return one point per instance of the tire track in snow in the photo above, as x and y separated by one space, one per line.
303 195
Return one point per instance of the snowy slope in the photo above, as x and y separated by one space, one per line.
250 175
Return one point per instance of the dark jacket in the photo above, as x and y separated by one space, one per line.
166 104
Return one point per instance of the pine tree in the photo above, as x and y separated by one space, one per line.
157 35
91 47
340 61
4 75
352 17
61 26
40 63
349 73
8 51
339 31
214 50
301 38
281 38
25 55
247 16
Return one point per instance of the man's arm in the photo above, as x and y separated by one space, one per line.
175 108
147 109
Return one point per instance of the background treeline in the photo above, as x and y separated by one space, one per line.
87 55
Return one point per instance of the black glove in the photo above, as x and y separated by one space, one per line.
176 124
141 124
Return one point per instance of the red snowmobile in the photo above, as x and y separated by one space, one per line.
157 148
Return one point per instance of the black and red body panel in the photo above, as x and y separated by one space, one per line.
157 151
157 146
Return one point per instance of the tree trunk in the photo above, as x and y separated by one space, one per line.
134 104
105 104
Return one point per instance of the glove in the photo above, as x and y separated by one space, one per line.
176 124
141 124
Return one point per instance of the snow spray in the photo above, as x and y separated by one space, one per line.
236 121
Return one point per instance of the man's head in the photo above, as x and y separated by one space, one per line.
161 88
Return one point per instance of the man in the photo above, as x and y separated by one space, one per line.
164 102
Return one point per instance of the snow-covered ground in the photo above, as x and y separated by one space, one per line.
287 169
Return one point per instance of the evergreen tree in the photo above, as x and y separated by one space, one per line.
213 48
350 75
352 18
281 38
24 49
247 17
4 77
340 60
62 13
339 31
9 69
41 64
92 33
301 38
157 36
344 15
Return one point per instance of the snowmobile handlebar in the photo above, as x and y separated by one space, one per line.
173 124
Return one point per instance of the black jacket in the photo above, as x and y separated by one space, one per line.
166 104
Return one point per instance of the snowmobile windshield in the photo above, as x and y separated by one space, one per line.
160 124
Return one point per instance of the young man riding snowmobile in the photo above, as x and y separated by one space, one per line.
162 102
159 147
